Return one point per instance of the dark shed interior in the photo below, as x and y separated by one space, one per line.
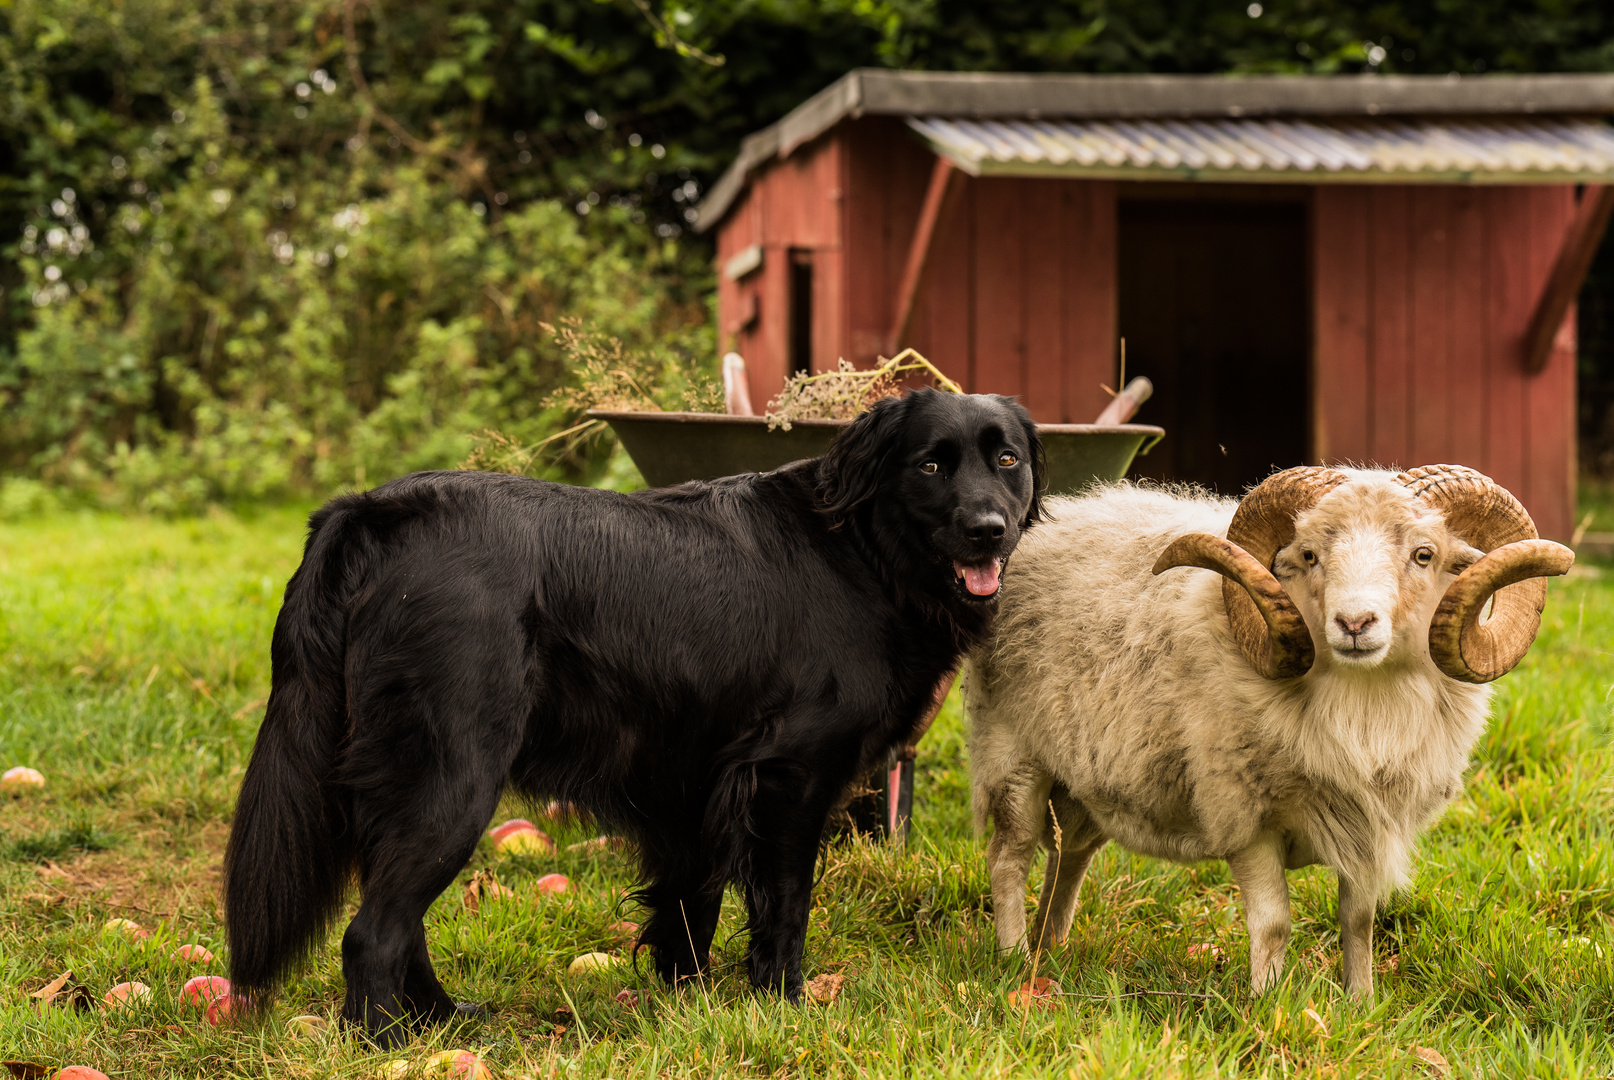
1214 309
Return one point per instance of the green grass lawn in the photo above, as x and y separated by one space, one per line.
133 668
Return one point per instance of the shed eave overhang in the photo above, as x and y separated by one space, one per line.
1271 176
1049 97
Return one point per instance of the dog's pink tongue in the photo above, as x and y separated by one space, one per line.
980 580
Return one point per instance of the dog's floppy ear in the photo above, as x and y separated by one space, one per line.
1039 463
850 472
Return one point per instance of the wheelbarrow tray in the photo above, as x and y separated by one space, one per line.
671 447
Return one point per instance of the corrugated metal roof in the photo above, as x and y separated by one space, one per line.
1514 150
1019 99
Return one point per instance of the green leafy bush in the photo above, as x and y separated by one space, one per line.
255 248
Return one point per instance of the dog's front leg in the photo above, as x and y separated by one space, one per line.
786 822
685 897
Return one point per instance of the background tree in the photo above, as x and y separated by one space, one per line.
257 248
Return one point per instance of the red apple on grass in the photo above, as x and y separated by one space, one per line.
195 954
458 1063
21 778
128 928
518 836
127 994
79 1072
554 883
204 990
224 1008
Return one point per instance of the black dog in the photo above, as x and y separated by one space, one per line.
702 667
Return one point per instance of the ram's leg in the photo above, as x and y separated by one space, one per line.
1259 873
1019 808
1356 908
1079 841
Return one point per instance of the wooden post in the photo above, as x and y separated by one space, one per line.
1575 256
937 198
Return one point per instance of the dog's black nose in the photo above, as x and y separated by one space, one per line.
986 527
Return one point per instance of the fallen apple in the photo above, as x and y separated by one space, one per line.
309 1027
628 999
195 954
21 778
599 844
623 929
461 1063
505 828
204 990
79 1072
126 994
561 811
128 928
1043 993
521 837
224 1008
593 961
554 883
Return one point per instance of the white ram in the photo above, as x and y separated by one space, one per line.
1316 703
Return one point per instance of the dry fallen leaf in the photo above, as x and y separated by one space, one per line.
64 990
484 884
825 988
1041 992
47 993
1317 1020
1433 1058
26 1070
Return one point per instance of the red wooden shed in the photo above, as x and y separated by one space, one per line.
1352 269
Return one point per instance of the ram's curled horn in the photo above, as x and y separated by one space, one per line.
1269 629
1514 570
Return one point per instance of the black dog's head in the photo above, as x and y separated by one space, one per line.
946 481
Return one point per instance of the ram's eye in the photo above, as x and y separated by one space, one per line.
929 467
1424 556
1310 557
1008 458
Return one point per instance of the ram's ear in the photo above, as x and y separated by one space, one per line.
849 474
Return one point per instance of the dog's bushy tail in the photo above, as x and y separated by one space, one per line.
290 853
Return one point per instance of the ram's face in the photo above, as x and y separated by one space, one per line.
1367 569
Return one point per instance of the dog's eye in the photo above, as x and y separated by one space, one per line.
1424 556
1008 458
929 467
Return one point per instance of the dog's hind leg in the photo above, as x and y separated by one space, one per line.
418 811
410 859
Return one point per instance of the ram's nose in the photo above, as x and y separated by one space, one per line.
1354 625
986 528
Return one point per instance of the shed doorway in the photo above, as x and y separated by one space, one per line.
1214 307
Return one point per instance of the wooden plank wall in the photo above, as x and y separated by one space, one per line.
1422 298
1020 294
792 204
